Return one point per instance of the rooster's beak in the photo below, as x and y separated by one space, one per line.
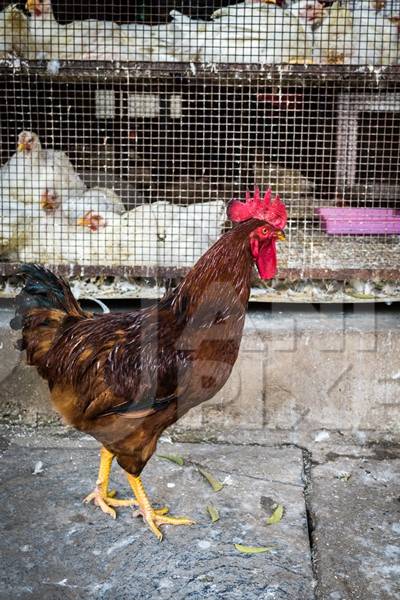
280 235
21 147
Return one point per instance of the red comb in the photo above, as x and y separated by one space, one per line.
256 208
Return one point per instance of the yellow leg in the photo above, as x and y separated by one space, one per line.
101 496
153 517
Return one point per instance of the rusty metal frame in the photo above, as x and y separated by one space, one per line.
88 271
227 72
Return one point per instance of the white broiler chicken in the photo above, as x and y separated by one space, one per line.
256 32
137 42
164 234
148 42
93 225
142 237
32 170
93 239
93 229
309 12
195 229
14 32
47 237
15 223
95 199
181 40
361 36
89 39
97 240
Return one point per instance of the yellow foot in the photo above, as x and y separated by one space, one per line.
106 500
153 517
156 517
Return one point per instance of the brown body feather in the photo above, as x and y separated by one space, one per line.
125 377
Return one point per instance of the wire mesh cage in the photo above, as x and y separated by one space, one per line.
126 128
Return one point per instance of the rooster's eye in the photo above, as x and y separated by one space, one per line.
264 230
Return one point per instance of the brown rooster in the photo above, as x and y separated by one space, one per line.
123 378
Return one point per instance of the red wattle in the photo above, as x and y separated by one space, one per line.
266 260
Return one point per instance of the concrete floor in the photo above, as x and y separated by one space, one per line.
339 538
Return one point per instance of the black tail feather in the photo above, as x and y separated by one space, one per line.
43 289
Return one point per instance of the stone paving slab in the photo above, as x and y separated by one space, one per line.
54 547
355 508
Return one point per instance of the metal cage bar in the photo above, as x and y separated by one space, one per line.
140 153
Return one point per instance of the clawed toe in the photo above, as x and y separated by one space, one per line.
153 517
154 520
106 501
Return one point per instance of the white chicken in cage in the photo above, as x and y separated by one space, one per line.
14 32
165 234
32 170
98 211
180 40
47 238
15 222
142 236
90 39
96 239
361 36
158 234
95 199
147 42
136 43
243 33
92 239
309 12
201 225
256 32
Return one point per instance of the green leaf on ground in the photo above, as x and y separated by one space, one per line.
344 476
213 512
276 516
175 458
215 484
252 549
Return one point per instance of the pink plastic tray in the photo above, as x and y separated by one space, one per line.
371 221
